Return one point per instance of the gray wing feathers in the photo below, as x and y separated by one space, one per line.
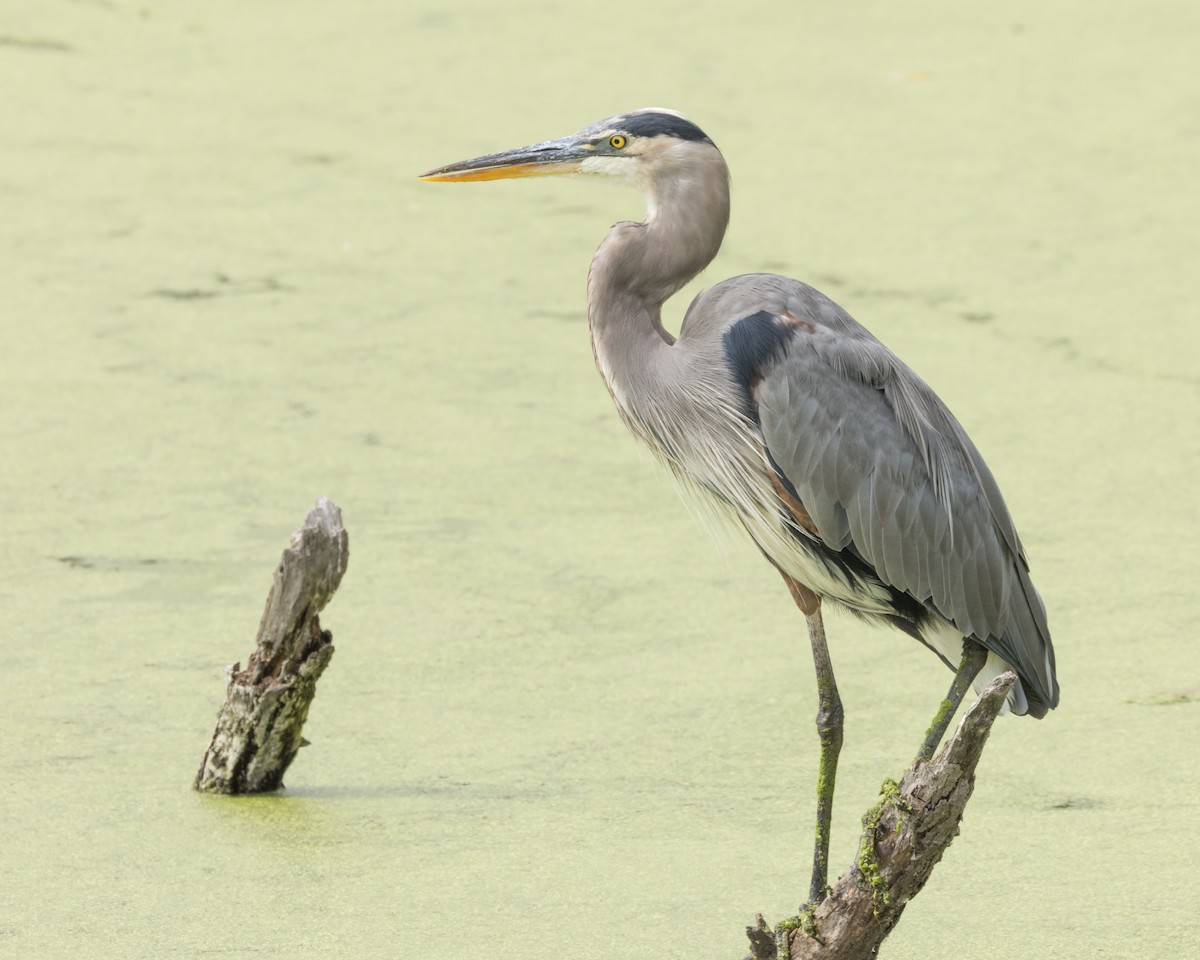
881 464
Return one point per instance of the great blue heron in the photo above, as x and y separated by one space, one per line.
778 408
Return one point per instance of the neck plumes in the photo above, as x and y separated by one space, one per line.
639 265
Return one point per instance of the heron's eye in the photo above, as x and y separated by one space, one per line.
616 141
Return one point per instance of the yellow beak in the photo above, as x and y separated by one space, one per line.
536 160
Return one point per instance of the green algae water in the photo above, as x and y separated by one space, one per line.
560 718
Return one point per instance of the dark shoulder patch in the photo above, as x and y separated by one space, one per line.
751 345
662 125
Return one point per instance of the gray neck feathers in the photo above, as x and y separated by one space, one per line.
639 265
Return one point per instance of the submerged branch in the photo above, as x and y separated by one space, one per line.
259 727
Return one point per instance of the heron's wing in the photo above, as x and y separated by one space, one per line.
887 473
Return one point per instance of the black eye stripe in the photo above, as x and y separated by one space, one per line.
662 124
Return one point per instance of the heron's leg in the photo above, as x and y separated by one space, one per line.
829 729
973 658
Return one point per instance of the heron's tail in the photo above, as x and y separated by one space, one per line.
1027 649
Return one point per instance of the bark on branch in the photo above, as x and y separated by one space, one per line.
259 728
904 836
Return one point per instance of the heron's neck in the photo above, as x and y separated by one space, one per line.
639 265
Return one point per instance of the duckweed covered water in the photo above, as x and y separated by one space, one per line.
560 721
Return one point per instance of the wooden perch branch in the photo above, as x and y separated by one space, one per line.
904 836
258 729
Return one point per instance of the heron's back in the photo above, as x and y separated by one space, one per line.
878 499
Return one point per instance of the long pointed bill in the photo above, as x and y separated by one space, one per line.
536 160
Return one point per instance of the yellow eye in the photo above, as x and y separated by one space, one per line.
616 141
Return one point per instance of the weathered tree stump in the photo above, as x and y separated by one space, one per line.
259 728
904 836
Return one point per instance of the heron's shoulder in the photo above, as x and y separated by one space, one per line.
789 339
757 320
732 300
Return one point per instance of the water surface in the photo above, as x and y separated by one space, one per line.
560 720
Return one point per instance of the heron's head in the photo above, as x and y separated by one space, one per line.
644 146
